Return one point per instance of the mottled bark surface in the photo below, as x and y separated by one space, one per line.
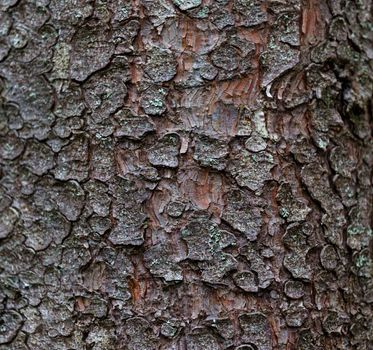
186 174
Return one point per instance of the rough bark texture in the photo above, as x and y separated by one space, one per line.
186 174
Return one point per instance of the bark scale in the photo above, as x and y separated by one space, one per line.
186 174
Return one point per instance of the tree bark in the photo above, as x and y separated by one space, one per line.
186 174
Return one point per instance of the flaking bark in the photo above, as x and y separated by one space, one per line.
186 174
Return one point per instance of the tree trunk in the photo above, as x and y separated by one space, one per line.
186 174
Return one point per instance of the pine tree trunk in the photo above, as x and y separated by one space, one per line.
186 174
